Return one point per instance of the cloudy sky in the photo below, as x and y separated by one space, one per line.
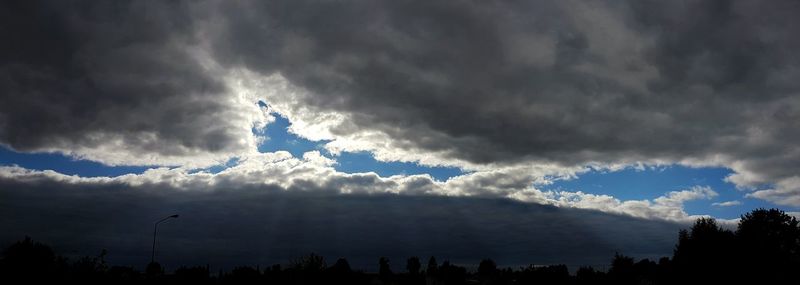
544 131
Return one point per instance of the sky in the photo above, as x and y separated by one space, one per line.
531 132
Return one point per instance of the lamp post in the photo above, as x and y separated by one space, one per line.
155 230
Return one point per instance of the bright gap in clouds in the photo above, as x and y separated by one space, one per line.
651 182
279 138
365 162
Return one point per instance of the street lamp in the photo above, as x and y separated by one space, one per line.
155 230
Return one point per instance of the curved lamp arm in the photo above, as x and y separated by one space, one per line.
155 230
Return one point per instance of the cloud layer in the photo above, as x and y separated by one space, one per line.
570 83
121 83
507 86
279 172
244 222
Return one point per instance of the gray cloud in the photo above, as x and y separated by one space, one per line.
701 83
520 92
565 83
265 225
116 82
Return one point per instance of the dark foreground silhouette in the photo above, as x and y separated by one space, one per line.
764 249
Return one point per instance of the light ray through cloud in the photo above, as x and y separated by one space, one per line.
646 113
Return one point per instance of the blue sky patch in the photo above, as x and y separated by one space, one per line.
633 184
64 164
279 138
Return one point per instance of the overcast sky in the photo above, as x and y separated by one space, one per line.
543 131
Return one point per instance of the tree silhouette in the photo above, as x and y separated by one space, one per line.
487 271
588 275
413 265
92 269
771 231
433 267
309 264
306 269
622 270
193 275
30 260
341 266
551 274
154 270
764 249
705 252
451 274
243 275
487 267
129 275
340 272
384 270
770 244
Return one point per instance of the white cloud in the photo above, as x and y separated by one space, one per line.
785 192
317 158
668 206
314 173
727 203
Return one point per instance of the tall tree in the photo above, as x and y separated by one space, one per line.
433 267
413 265
770 245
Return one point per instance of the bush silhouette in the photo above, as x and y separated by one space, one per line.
30 260
309 264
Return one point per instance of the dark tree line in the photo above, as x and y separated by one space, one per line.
764 249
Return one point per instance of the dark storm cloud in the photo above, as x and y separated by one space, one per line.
698 82
88 77
569 82
463 69
240 226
